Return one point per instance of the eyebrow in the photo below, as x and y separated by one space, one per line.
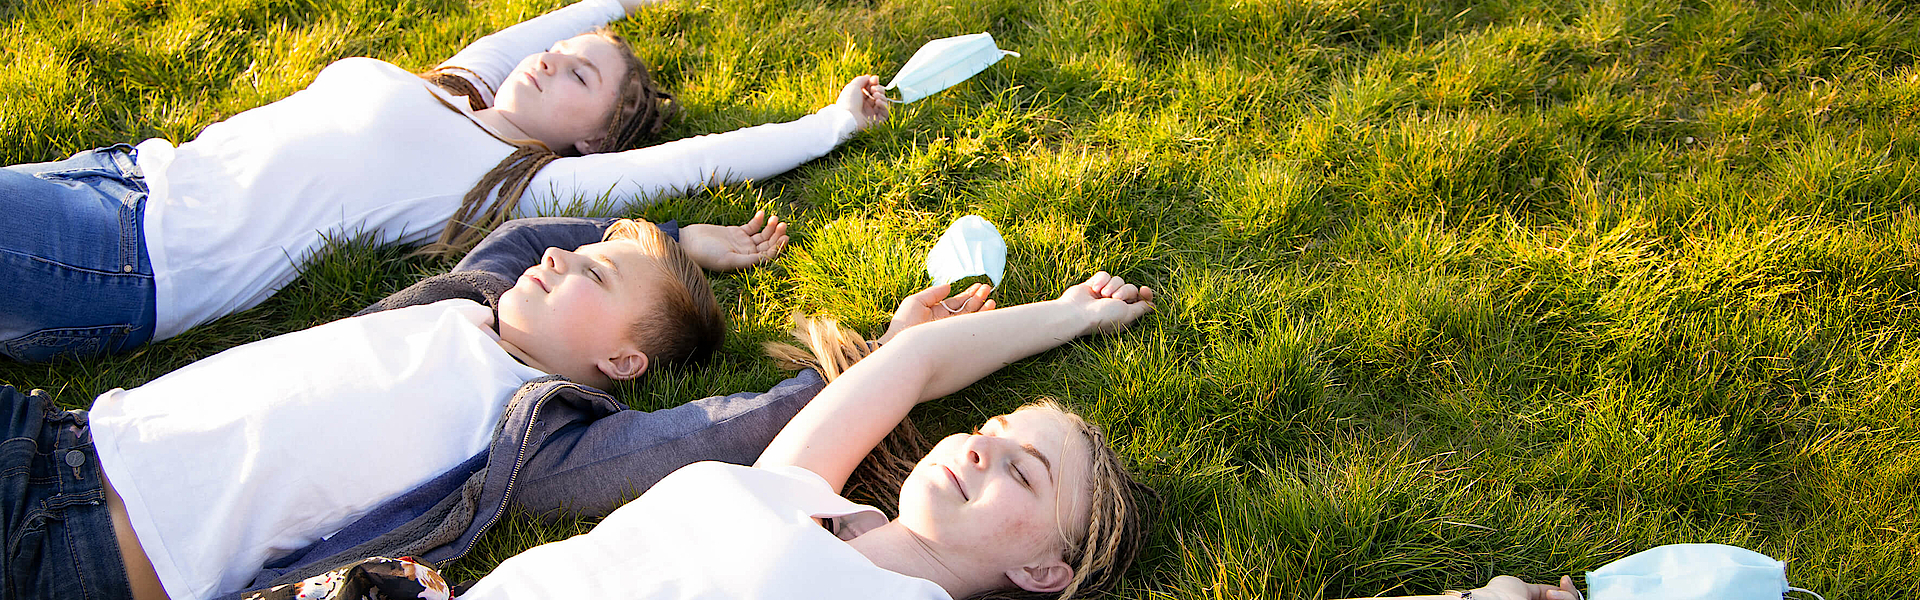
591 65
584 59
602 259
1002 420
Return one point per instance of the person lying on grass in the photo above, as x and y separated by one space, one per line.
1032 504
119 246
419 422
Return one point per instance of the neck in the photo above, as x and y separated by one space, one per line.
501 123
895 548
589 376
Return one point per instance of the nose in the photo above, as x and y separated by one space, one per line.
977 448
554 62
556 259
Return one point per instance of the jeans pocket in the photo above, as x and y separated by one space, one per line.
65 342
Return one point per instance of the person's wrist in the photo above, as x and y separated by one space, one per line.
844 122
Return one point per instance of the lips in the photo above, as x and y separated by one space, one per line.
535 82
956 483
535 278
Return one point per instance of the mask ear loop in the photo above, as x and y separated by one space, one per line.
1815 594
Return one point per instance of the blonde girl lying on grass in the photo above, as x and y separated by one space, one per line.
119 246
1032 504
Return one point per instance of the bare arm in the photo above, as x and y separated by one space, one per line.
849 417
1507 587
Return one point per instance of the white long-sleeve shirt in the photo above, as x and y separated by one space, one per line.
371 149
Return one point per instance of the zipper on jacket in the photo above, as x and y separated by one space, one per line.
519 458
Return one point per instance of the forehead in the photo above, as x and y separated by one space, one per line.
602 51
635 265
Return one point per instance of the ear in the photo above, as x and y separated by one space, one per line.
628 364
587 146
1049 576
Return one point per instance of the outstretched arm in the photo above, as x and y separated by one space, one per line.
1507 587
849 417
688 165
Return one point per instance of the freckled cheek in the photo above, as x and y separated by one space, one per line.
1021 526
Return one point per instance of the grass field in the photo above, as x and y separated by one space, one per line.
1452 288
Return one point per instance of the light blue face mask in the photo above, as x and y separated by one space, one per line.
944 62
1691 572
971 246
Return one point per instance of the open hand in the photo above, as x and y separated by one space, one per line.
722 248
865 99
933 304
1109 302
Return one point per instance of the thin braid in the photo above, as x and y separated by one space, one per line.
477 217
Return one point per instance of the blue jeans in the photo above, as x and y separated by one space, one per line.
73 257
53 505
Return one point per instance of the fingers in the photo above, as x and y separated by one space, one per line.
1129 313
1566 591
780 241
776 241
754 224
930 296
1105 285
970 300
1097 281
773 227
871 108
976 298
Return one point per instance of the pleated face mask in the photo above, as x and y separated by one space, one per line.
970 247
1691 572
944 62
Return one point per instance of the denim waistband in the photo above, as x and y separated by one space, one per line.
53 512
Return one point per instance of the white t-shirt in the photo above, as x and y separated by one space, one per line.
369 148
710 530
262 449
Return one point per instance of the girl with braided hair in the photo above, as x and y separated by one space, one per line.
119 246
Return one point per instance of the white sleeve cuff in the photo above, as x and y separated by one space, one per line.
841 122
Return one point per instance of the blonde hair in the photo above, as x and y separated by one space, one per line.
639 112
1117 512
831 349
687 325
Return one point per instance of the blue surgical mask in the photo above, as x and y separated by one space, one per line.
1691 572
971 246
944 62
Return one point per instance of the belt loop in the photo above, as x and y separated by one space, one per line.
127 162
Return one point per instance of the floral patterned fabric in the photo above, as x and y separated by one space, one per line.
377 578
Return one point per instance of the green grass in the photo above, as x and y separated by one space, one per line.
1451 288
